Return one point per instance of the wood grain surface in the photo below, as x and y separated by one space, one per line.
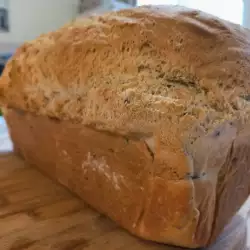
39 214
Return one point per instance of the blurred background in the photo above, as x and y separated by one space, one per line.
22 20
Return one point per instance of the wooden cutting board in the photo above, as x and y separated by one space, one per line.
39 214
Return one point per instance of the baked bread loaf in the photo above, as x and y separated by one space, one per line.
144 113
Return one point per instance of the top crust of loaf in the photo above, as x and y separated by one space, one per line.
146 70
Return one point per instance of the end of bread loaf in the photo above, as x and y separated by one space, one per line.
172 80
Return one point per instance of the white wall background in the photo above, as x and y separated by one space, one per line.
30 18
246 14
231 10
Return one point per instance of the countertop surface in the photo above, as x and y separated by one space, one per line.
39 214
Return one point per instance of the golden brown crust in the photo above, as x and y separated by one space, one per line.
173 79
135 69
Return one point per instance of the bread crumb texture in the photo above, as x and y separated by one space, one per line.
164 70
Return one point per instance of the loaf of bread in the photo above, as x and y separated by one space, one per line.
144 113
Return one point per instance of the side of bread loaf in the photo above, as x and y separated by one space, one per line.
115 175
170 82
